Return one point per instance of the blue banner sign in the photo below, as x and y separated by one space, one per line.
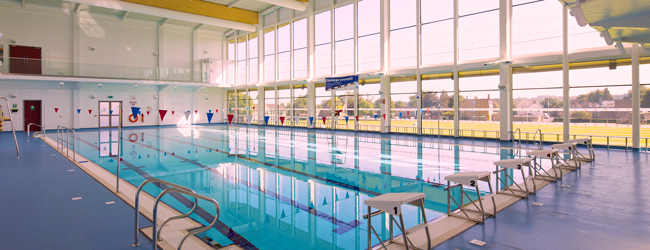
341 83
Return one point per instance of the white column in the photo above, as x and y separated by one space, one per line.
455 75
76 42
385 107
505 71
384 35
565 74
311 103
636 99
418 95
260 55
161 49
261 105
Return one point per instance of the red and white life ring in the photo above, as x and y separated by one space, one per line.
131 137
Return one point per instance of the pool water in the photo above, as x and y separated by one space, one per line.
287 189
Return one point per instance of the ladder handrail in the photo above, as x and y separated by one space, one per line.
539 146
67 141
175 188
11 119
513 136
29 127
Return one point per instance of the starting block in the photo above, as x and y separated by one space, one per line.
590 148
518 164
539 171
391 204
572 163
469 179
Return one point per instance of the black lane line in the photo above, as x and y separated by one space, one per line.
236 238
343 226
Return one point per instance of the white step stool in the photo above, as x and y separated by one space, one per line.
590 148
571 148
391 204
469 179
539 171
518 164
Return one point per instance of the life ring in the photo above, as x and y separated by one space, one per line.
132 119
131 137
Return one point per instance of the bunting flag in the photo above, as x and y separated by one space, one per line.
384 116
162 113
407 113
78 111
187 115
110 112
135 111
196 111
147 112
216 111
427 110
311 121
210 117
172 112
356 117
346 119
375 117
282 119
230 118
266 120
90 111
324 118
210 111
400 114
56 110
249 118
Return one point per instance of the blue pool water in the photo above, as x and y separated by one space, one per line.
287 189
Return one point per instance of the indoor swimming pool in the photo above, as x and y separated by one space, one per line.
287 189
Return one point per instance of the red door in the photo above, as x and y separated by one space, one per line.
32 111
24 60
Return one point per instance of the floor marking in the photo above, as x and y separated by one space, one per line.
477 242
83 161
76 198
600 163
565 186
553 214
53 154
42 145
587 193
71 170
110 202
537 204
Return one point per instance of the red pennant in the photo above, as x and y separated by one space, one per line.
90 111
172 112
407 113
230 118
324 118
147 112
384 116
56 110
357 117
282 119
196 111
253 107
427 110
162 113
216 111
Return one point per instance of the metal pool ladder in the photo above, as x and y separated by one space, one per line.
539 146
11 119
155 233
35 133
61 130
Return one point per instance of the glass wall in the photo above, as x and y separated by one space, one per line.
478 29
241 60
300 105
270 105
404 103
284 52
479 103
269 54
323 22
323 100
300 49
369 105
537 102
438 104
344 39
252 58
284 105
536 27
252 108
368 44
403 42
437 31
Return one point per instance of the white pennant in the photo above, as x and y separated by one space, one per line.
187 115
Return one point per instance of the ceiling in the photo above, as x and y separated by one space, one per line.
627 20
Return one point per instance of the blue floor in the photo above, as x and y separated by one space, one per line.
36 206
604 208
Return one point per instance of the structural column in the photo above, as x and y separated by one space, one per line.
565 74
455 74
385 113
261 105
636 99
505 70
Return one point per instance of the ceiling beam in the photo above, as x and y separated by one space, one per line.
291 4
124 14
233 3
626 22
269 10
203 8
198 27
177 14
77 7
636 39
163 21
229 32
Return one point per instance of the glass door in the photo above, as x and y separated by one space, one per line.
109 114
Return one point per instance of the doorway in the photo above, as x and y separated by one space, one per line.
32 114
109 114
24 59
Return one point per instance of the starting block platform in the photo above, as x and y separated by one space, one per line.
572 150
469 179
391 204
590 149
514 189
539 171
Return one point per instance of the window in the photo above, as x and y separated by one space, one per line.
241 60
369 106
536 26
437 31
403 105
300 49
368 44
437 104
403 34
479 102
478 29
269 55
270 108
300 105
344 39
230 64
537 102
323 43
284 105
284 52
252 58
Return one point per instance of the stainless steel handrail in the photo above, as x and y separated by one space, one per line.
11 119
539 146
29 127
513 136
173 188
59 135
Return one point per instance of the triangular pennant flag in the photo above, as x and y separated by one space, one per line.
324 118
347 195
148 156
173 153
196 111
266 120
147 112
282 215
346 119
400 114
139 157
165 154
110 112
407 113
172 112
78 111
210 117
282 119
384 116
336 196
216 111
162 113
311 120
427 110
187 115
375 117
297 210
266 220
90 111
249 118
56 110
230 118
356 117
188 152
135 111
110 160
324 201
311 204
